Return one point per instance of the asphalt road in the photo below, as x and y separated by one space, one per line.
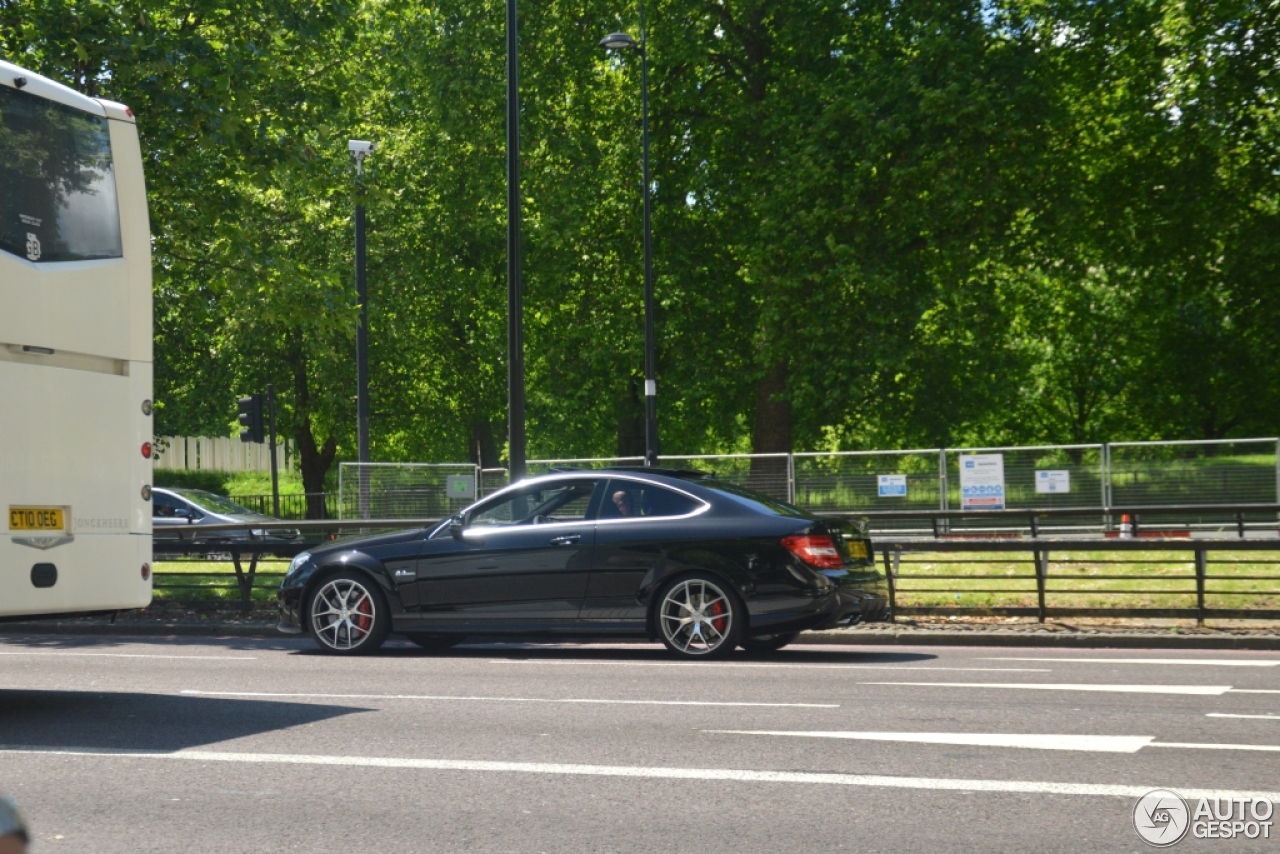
118 744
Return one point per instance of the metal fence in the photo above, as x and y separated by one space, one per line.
292 506
1196 579
405 490
1188 579
1045 477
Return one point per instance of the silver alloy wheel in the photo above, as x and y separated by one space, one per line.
696 617
343 614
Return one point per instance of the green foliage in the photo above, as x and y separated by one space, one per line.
209 481
877 223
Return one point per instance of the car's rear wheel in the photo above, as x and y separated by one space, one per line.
433 643
348 615
768 643
699 617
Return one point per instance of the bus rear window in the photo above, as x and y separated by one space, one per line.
57 186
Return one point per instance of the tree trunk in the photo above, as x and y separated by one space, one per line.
314 460
631 424
771 433
314 463
484 442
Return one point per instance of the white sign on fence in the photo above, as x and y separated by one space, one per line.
1052 480
982 481
460 486
891 485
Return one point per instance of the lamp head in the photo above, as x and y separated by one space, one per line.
618 41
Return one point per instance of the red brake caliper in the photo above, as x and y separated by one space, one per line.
365 608
717 607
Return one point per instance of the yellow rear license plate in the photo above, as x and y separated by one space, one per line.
857 548
36 519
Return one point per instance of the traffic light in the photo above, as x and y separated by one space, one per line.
251 418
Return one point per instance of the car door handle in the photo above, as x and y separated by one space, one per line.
566 540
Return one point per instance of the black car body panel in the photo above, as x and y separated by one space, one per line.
589 572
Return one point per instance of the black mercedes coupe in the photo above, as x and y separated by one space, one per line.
701 564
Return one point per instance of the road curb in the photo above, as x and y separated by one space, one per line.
906 637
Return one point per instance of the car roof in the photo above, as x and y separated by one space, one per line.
682 474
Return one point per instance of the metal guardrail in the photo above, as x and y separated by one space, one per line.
247 556
1108 519
1039 552
891 551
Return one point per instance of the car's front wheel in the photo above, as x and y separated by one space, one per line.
347 615
700 617
768 643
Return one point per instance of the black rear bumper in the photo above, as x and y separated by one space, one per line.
852 608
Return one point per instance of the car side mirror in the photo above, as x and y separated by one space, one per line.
455 527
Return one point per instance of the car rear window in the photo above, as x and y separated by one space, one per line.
216 503
754 500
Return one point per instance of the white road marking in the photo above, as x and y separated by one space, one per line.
643 772
1095 743
1217 662
702 665
132 655
1260 717
1055 686
1088 743
1253 691
1266 748
504 699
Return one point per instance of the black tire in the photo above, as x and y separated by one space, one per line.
434 643
700 616
768 643
347 614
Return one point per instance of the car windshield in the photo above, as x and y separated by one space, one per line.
754 500
214 503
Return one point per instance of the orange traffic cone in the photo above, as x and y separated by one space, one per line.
1126 527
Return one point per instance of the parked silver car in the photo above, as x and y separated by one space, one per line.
180 515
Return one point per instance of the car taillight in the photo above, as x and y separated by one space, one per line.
146 450
819 551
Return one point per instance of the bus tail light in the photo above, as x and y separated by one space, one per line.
146 450
817 551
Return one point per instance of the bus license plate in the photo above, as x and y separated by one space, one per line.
36 519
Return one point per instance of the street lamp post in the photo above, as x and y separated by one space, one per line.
360 149
622 41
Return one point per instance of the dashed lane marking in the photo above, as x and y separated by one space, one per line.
62 653
1259 717
1032 741
643 772
1094 743
1201 690
702 665
1214 662
446 698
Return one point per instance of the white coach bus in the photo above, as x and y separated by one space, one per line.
75 354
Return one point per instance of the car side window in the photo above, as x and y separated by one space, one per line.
628 498
550 503
162 506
